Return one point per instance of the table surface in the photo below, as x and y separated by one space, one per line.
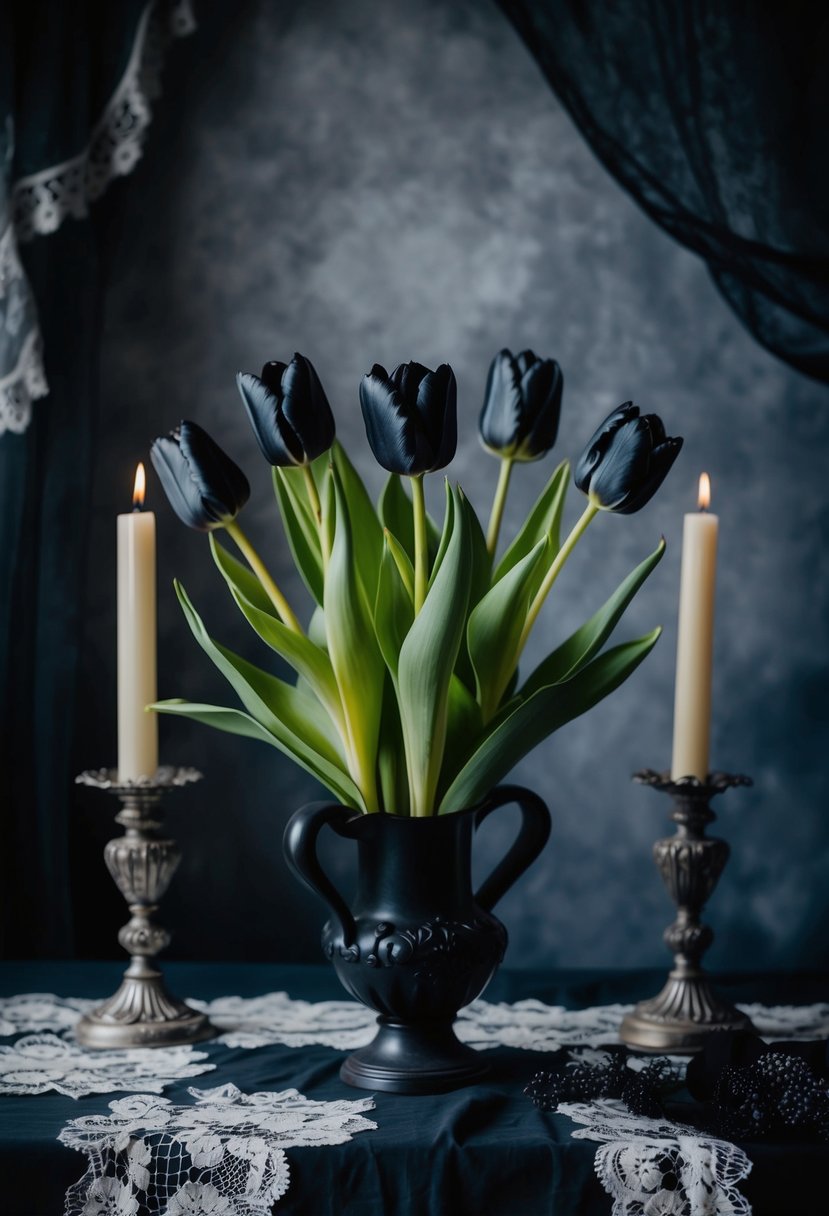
481 1151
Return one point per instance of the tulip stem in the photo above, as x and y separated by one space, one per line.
555 569
258 567
498 503
313 493
420 543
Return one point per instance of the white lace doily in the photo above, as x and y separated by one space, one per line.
652 1167
275 1018
38 1063
225 1154
40 202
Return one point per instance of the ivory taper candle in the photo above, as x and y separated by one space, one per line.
695 642
137 730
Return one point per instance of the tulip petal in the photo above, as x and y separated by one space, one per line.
271 377
543 387
178 485
390 429
264 412
441 407
660 464
500 422
306 410
600 442
205 487
224 487
625 464
525 360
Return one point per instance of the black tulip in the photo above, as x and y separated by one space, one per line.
522 405
626 461
205 488
411 417
289 411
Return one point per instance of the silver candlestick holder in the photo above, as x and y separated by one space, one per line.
142 1013
682 1016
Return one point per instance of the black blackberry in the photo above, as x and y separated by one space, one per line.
545 1090
640 1097
778 1093
800 1096
642 1089
577 1082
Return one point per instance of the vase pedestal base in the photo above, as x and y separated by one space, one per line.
407 1058
681 1019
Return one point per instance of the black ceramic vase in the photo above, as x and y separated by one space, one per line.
416 944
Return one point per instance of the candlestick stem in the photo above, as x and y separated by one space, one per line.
682 1016
142 1013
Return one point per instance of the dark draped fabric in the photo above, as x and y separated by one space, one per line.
713 115
59 67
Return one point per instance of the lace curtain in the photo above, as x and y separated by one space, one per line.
711 114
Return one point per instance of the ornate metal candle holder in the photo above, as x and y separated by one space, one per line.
142 1013
687 1009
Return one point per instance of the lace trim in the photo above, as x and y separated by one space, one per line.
224 1154
652 1167
42 201
19 341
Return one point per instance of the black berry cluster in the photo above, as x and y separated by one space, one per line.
777 1094
583 1082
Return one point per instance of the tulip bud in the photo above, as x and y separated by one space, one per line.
522 406
289 411
205 488
626 461
410 417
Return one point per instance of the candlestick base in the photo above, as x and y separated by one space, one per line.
682 1016
142 1013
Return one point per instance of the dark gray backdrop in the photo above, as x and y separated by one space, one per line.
386 180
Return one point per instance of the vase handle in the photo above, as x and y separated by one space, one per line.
299 844
531 839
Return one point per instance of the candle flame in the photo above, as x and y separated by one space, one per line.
140 488
704 491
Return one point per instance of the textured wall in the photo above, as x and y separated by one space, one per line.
394 180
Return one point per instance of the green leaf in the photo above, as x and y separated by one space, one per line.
543 520
220 717
308 660
427 658
517 732
588 640
480 571
391 759
354 652
463 728
365 525
395 510
300 528
298 723
495 627
240 577
393 609
401 560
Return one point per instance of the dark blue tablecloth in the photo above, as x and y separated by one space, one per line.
482 1151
